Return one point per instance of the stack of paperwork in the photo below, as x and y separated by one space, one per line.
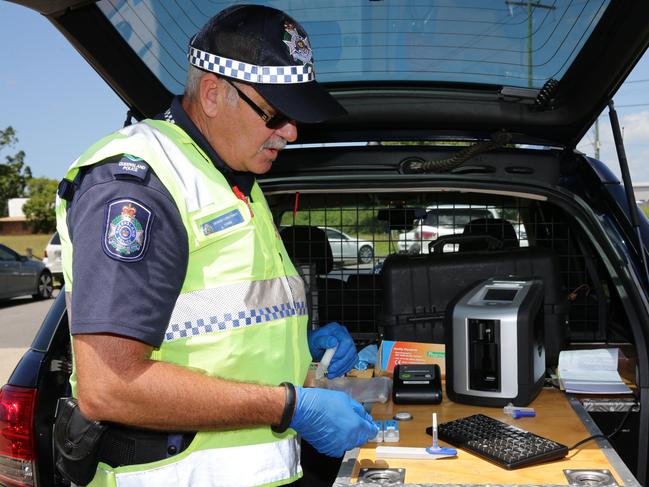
591 372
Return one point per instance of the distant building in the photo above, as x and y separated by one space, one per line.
16 222
641 191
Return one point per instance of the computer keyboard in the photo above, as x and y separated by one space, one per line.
505 445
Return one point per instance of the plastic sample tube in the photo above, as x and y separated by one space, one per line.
321 371
435 449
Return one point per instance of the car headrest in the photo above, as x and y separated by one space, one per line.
307 244
494 227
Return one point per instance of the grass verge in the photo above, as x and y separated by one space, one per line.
20 243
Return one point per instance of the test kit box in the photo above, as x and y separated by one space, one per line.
392 353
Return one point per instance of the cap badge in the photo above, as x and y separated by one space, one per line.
298 46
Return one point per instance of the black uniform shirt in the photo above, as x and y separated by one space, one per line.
130 248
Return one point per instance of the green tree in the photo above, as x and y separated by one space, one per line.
14 174
39 209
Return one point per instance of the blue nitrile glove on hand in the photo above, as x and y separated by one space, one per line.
331 421
329 336
367 356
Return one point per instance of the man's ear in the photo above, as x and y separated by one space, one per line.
210 94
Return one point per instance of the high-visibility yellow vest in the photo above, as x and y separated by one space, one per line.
241 313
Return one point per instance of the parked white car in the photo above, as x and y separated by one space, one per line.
52 259
345 247
440 220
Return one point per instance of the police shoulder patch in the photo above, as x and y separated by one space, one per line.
131 167
127 229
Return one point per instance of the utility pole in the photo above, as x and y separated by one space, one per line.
529 4
597 138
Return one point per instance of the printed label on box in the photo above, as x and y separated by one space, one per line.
392 353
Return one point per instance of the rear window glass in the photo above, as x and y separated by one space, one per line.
55 239
495 42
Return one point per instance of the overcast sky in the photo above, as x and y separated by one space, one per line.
59 106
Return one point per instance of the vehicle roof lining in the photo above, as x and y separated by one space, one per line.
388 159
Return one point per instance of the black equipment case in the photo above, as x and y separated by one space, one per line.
418 288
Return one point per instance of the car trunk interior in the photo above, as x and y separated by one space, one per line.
588 304
587 308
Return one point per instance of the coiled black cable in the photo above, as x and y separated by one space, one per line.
544 98
498 139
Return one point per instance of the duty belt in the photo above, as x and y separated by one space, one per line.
122 446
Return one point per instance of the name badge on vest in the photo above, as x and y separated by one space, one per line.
127 229
222 222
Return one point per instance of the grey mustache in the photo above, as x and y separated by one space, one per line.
277 144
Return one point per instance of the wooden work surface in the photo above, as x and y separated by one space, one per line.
555 419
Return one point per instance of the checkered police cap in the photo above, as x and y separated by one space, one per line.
269 50
249 72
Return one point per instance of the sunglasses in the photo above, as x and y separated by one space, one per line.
272 122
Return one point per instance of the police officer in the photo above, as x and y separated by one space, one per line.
188 320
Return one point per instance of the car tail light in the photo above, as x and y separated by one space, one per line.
45 253
17 446
425 235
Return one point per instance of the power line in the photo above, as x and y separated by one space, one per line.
629 106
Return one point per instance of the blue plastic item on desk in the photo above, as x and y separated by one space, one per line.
518 411
440 450
435 449
523 414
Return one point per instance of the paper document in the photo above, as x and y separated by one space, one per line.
591 372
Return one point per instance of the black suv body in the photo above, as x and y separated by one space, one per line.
408 145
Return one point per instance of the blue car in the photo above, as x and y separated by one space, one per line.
452 104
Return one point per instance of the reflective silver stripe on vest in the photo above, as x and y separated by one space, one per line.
239 466
236 306
190 180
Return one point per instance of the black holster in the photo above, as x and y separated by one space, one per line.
76 442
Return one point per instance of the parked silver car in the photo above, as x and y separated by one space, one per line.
20 276
345 247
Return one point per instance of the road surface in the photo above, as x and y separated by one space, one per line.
20 319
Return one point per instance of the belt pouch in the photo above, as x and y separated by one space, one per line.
76 442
